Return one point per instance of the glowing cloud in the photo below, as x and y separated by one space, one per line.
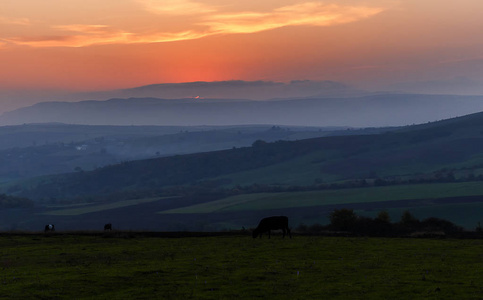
96 36
85 35
311 14
83 28
206 21
176 7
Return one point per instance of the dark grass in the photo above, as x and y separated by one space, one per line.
135 266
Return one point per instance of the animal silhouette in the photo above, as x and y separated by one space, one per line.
49 227
272 223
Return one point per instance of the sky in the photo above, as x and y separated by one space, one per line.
89 45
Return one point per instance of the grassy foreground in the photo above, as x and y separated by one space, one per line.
130 266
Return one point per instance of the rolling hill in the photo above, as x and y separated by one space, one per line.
411 152
442 155
44 149
366 111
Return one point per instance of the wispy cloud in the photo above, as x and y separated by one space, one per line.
14 21
88 35
86 29
75 35
311 14
176 7
210 20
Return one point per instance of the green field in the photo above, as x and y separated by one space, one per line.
308 207
366 201
85 209
275 174
132 266
263 201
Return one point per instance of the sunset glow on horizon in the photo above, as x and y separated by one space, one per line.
100 45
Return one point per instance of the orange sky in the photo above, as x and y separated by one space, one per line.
109 44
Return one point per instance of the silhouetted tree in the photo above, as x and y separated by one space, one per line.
343 219
408 222
407 218
382 224
383 216
437 224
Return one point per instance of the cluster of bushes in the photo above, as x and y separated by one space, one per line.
346 220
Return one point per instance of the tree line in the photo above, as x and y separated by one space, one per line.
347 221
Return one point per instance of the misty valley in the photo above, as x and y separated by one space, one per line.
227 177
43 149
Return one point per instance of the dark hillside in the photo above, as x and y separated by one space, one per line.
413 152
44 149
167 171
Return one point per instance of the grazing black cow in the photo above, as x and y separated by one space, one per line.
49 227
272 223
108 227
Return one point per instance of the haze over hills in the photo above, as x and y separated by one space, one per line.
113 179
364 111
236 89
410 151
52 148
232 89
447 154
456 86
237 102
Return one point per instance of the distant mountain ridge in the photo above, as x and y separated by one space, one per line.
233 89
364 111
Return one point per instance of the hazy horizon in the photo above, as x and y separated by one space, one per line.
51 51
236 89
